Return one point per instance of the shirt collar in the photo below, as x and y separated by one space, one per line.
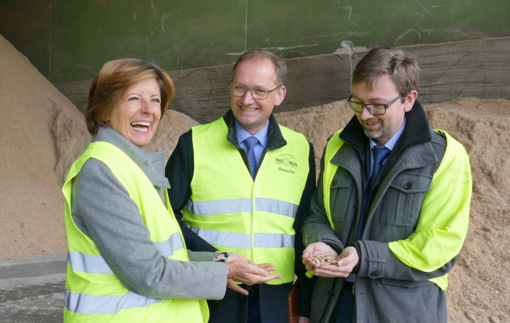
242 134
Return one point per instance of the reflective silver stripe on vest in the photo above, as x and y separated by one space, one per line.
93 264
276 206
241 240
106 304
88 263
242 205
273 240
220 206
109 304
168 247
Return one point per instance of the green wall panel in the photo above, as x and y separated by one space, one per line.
173 34
300 27
69 40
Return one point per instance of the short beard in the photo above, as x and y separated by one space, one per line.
374 135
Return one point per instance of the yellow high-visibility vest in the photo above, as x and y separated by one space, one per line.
233 212
436 239
93 292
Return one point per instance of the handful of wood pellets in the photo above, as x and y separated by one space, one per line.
324 259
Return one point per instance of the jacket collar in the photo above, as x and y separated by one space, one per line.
275 138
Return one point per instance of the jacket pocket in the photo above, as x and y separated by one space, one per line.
403 200
343 192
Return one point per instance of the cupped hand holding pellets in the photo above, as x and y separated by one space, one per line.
325 262
324 259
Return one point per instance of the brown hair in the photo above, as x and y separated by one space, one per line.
278 62
113 80
401 66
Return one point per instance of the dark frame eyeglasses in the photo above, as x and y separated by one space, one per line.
256 93
374 109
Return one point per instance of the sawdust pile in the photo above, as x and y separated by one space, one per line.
42 134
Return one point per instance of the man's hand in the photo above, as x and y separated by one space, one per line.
348 260
249 274
317 248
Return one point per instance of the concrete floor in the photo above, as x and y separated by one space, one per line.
32 290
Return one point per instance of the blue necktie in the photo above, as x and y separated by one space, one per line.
380 155
250 143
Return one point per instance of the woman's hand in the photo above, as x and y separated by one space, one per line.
234 256
249 273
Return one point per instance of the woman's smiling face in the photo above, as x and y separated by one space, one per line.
136 115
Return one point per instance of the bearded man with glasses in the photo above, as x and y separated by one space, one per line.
242 186
392 204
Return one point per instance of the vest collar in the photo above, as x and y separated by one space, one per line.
153 165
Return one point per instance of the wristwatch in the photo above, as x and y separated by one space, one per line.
221 256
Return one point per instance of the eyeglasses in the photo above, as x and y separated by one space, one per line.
258 94
374 109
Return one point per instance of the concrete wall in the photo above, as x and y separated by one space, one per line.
478 68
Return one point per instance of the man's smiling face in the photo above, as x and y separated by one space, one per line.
252 113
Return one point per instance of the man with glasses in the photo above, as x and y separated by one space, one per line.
243 184
391 206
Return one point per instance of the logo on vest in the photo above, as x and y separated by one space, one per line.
286 163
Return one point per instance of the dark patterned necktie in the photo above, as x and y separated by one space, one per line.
380 155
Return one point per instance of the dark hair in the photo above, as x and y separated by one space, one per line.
401 66
278 62
114 79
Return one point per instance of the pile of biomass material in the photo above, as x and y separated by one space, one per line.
42 134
